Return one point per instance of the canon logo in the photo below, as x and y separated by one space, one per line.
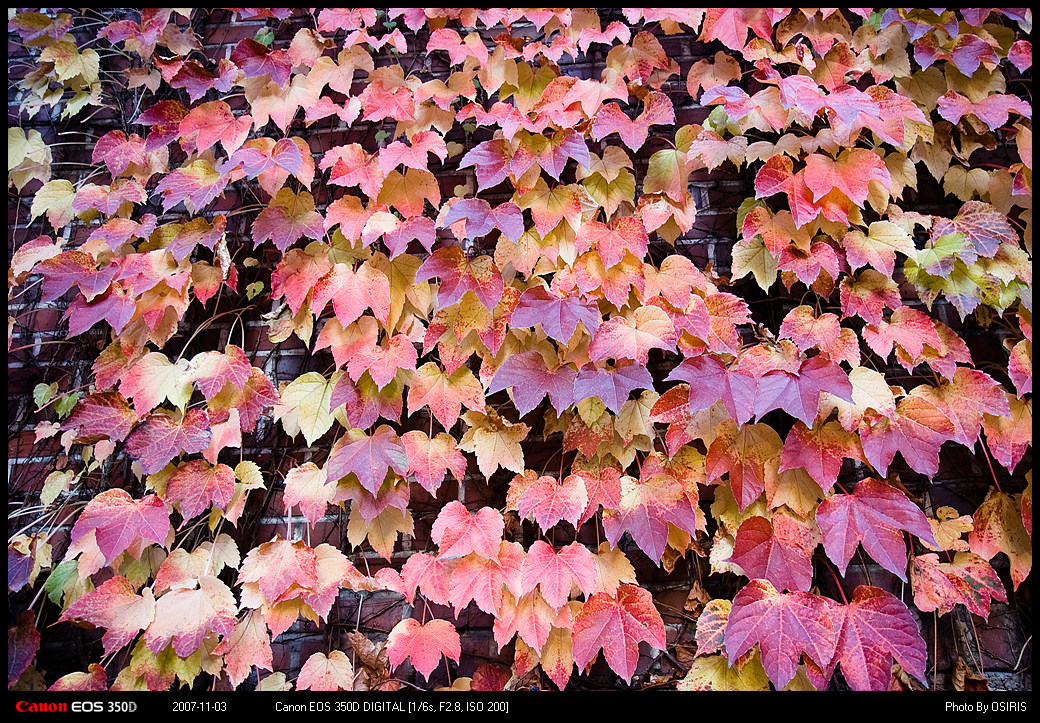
24 706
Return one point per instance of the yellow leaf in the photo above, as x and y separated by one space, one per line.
965 183
495 440
304 406
55 199
712 672
382 531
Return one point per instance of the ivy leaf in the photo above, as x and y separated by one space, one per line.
101 415
369 457
304 405
917 431
307 486
214 122
491 160
731 27
458 533
117 607
550 501
612 386
459 275
999 528
610 118
969 580
848 174
495 440
558 315
352 291
161 438
620 338
555 571
875 515
779 551
197 485
1009 437
820 451
482 580
287 218
480 218
784 625
873 628
981 224
188 616
429 459
531 380
646 509
751 456
321 672
444 393
878 246
617 624
278 565
423 644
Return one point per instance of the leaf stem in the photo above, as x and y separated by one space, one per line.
837 582
990 463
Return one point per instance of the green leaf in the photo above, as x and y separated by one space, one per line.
43 393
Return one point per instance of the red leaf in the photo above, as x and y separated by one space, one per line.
118 521
458 533
118 608
620 338
646 509
101 415
617 625
160 439
197 485
779 552
444 393
993 110
981 224
531 380
731 26
612 386
289 217
429 459
277 566
256 60
459 275
423 644
624 235
118 151
872 629
369 457
211 370
555 571
784 625
657 111
917 431
549 501
480 580
1009 437
875 515
481 218
491 160
820 451
212 122
848 174
559 316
